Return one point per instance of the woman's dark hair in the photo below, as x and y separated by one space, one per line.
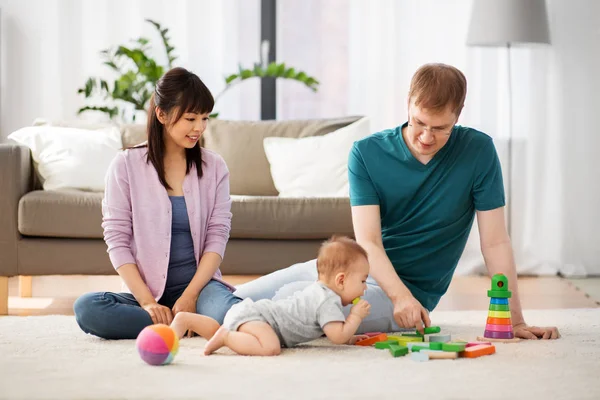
177 92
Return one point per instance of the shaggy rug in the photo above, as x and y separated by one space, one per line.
50 358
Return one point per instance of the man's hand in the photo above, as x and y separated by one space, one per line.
409 313
185 303
361 309
159 314
534 332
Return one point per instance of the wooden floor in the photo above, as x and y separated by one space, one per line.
56 294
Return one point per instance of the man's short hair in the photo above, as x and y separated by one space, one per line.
337 254
437 87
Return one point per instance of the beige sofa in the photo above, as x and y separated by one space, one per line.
59 233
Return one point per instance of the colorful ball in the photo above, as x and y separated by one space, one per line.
157 344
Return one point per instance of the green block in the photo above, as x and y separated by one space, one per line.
435 345
417 335
419 348
499 294
398 351
499 307
385 345
432 329
455 347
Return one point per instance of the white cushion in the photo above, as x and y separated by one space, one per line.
315 166
70 157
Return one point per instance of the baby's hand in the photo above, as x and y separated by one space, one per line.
361 309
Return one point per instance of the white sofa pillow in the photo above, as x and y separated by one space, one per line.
70 157
315 166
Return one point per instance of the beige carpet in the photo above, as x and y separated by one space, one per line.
49 358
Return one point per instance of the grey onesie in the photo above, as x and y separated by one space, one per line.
297 319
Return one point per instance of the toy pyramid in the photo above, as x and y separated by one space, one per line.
499 326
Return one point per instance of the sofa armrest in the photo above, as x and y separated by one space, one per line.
15 180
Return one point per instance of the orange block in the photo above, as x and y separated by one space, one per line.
372 340
498 321
478 351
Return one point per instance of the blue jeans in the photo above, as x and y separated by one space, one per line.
284 283
119 316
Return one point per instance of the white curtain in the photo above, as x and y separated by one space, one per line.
50 47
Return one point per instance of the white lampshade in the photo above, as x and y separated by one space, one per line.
502 22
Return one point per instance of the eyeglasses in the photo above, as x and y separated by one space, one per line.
418 127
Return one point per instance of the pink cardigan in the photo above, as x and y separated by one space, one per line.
136 214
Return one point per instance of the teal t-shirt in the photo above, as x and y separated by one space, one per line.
427 210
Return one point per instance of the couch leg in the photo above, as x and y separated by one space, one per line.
3 295
25 286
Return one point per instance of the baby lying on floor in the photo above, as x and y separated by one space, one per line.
263 327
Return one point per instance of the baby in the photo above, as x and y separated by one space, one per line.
263 327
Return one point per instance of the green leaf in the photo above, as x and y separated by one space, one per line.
289 73
301 76
230 78
111 64
213 115
272 69
246 73
111 111
280 69
258 71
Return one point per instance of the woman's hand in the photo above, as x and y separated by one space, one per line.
159 314
185 303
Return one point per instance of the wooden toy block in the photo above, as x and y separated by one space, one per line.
498 335
456 347
487 339
499 314
419 348
440 338
471 344
412 335
412 345
398 351
356 300
432 329
372 340
435 345
385 345
440 355
498 301
405 339
499 328
478 351
419 357
499 307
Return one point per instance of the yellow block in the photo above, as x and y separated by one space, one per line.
405 339
499 314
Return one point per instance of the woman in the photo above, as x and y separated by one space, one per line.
166 219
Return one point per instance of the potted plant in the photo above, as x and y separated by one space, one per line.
137 73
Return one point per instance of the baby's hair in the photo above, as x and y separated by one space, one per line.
337 254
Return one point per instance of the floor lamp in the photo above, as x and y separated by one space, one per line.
505 23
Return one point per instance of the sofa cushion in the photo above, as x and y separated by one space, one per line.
272 217
133 134
78 214
61 213
240 143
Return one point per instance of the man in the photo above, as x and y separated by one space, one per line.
414 192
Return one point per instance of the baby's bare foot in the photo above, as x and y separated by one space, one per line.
216 342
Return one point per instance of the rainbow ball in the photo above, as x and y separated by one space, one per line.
157 344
